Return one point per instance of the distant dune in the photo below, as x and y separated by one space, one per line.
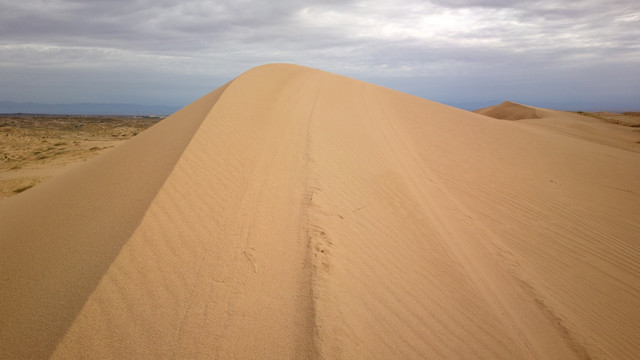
509 111
298 214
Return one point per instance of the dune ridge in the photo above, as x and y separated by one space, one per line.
301 214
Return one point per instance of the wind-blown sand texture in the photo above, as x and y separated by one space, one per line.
297 214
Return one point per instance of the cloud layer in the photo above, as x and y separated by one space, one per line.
198 44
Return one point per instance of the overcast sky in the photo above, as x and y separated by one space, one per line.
560 54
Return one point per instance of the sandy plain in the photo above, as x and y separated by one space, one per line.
294 213
34 148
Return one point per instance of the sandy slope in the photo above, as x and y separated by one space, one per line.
300 214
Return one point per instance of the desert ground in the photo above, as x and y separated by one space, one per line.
297 214
34 148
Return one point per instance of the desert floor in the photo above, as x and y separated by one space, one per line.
34 148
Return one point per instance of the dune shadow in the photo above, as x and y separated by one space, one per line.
58 239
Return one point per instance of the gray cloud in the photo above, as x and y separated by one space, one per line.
439 40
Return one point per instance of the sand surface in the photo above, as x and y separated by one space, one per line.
295 214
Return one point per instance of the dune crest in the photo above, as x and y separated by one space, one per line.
296 213
509 111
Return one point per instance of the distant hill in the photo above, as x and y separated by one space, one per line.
509 111
7 107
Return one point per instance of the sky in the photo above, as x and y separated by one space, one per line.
571 55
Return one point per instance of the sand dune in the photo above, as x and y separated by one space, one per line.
298 214
509 111
615 130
